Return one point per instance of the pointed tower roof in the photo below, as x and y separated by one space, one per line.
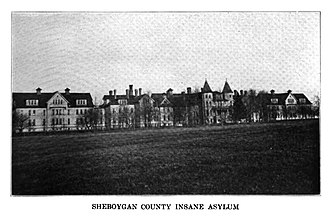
226 88
206 87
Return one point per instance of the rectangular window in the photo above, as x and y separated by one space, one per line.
81 112
68 121
29 112
43 122
290 101
81 102
32 102
302 100
44 112
53 112
274 100
68 112
77 111
34 112
33 122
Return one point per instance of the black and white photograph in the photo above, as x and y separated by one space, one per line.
166 103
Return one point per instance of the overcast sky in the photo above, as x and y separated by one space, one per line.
98 52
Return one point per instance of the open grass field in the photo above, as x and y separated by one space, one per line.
272 158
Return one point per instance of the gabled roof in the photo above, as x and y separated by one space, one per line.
283 96
112 101
206 87
131 100
72 97
301 96
160 99
19 99
226 88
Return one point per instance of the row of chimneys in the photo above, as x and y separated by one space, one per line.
188 91
273 91
129 92
67 91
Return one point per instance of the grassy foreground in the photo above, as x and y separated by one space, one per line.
274 158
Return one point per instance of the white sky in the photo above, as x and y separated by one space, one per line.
98 52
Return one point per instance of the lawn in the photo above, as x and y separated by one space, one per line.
272 158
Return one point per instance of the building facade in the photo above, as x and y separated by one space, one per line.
167 109
54 111
35 112
284 106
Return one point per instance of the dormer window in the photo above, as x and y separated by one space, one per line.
290 101
302 100
81 102
122 102
274 100
32 102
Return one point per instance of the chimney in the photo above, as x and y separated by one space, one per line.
236 92
169 92
183 92
202 89
189 90
130 90
38 91
272 91
289 91
110 93
245 93
164 95
136 92
140 91
114 93
241 92
67 91
127 95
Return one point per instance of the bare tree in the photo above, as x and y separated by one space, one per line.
316 106
261 105
19 121
124 116
179 115
91 118
251 103
146 111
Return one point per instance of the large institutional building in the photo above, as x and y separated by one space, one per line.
135 109
52 111
287 105
58 111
